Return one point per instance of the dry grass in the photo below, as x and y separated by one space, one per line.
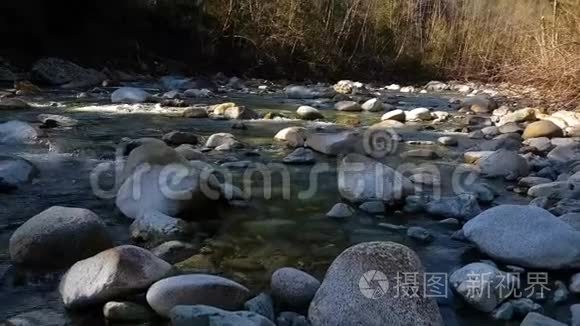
532 42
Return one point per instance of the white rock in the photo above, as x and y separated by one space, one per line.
194 289
111 274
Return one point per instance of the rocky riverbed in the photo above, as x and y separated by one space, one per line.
211 201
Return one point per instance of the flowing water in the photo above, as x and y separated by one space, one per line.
248 243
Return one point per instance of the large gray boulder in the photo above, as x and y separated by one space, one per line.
58 237
17 132
202 315
175 190
362 179
292 136
111 274
15 171
525 236
194 289
151 152
360 289
504 164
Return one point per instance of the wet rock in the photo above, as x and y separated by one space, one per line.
552 190
479 104
542 128
505 164
189 152
174 251
292 136
300 156
518 240
340 211
418 114
173 190
42 240
221 139
529 182
16 171
333 143
542 144
407 89
308 113
293 288
190 315
126 312
195 112
262 305
461 207
504 312
393 87
17 132
13 104
111 274
339 300
562 141
42 317
524 306
155 228
490 131
373 105
180 138
348 106
396 115
420 153
373 207
129 95
560 155
567 205
303 92
54 120
196 289
357 180
480 285
447 141
484 192
419 234
536 319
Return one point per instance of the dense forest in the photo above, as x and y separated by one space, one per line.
532 42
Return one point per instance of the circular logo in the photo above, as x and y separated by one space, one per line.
373 284
379 143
